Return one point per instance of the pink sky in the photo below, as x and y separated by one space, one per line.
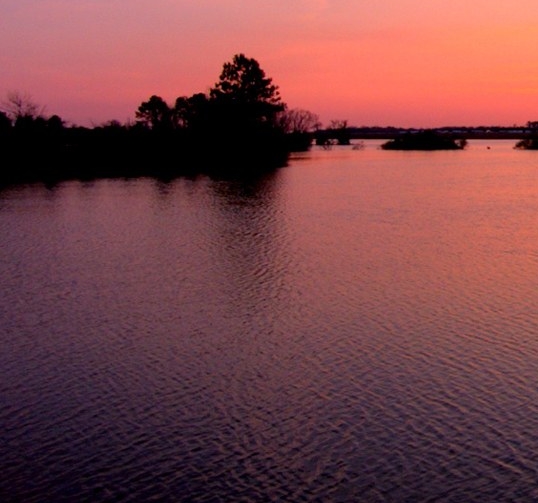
410 63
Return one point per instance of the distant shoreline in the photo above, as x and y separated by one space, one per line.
468 133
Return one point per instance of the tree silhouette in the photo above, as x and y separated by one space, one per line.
340 131
233 129
155 114
192 112
19 105
299 126
243 81
297 120
244 92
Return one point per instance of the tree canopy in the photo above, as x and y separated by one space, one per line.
241 125
244 96
243 81
154 113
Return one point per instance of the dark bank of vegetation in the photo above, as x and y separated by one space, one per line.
424 140
240 126
338 133
527 144
457 132
530 142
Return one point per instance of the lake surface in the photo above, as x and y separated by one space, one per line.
360 326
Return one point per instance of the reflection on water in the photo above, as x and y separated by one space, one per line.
358 326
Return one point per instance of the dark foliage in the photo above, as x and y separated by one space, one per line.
527 144
337 133
424 140
299 141
340 132
5 122
232 130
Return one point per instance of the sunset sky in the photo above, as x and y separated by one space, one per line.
409 63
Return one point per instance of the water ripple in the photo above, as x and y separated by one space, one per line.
364 333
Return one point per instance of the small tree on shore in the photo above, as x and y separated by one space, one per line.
297 120
340 131
19 106
299 126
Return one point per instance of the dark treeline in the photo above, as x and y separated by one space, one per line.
240 126
456 132
530 140
444 138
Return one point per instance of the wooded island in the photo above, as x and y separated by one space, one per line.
241 126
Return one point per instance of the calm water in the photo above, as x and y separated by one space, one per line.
361 325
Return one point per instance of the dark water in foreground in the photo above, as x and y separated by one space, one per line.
359 326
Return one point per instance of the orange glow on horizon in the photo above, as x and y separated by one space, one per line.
407 64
